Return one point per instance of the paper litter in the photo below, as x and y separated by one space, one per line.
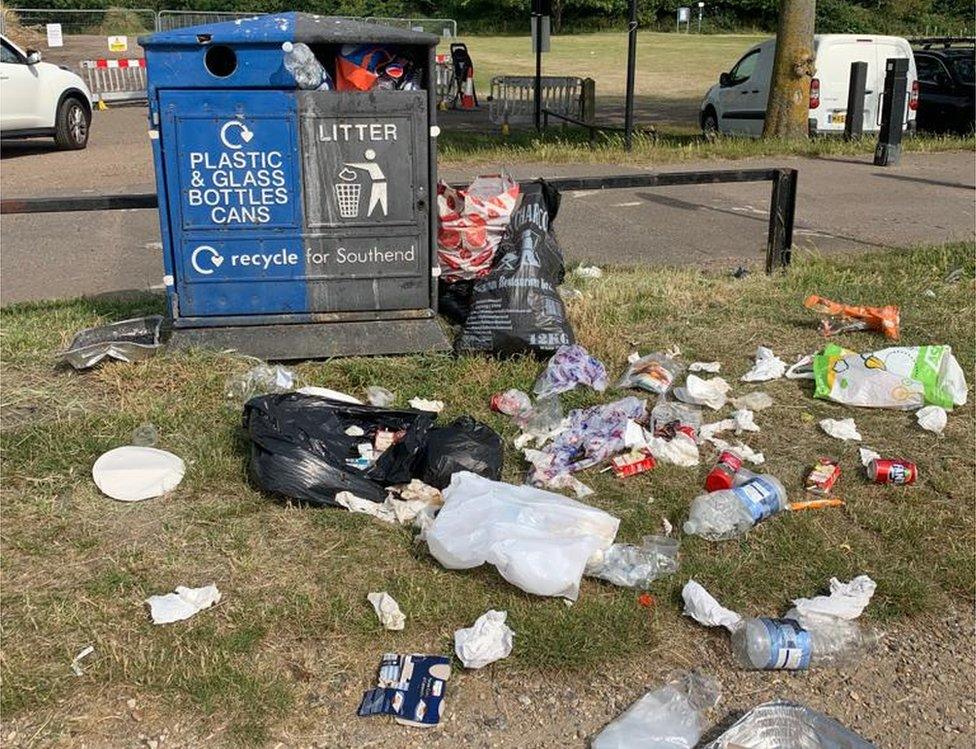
867 455
846 600
741 421
182 604
410 688
332 395
387 610
713 367
741 449
701 392
932 418
132 474
422 404
701 606
754 401
768 366
390 510
680 450
488 640
842 429
587 271
355 431
76 661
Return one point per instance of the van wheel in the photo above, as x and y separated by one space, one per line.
709 124
71 126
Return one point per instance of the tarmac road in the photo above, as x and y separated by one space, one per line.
843 204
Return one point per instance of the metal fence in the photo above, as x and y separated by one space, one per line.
513 98
27 25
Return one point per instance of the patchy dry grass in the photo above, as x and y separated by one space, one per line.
77 566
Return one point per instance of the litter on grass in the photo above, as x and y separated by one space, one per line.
488 640
712 367
511 403
780 723
741 449
132 474
632 566
701 392
145 435
587 271
754 401
883 320
387 610
932 418
842 429
904 377
654 373
670 717
680 449
76 661
729 513
261 379
184 603
866 455
539 541
820 631
380 396
568 368
768 366
410 688
126 340
422 404
740 421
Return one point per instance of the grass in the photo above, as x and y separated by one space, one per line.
295 623
572 146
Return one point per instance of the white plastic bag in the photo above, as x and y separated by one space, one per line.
538 540
932 418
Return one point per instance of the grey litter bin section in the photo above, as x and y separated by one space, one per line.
296 224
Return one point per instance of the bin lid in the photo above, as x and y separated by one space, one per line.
276 28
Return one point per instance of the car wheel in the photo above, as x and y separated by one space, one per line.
71 126
709 124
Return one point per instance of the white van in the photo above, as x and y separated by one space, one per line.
736 105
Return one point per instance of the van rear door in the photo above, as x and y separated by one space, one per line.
834 72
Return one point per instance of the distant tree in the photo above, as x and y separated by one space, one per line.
793 68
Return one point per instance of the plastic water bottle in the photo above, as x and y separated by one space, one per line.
774 644
305 68
725 514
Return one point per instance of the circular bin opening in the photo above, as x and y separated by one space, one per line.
220 61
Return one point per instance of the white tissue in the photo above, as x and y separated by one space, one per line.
489 639
842 429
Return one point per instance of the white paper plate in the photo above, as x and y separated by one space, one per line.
131 474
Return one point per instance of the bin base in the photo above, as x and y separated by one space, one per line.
318 340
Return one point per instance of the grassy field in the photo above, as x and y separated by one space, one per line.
294 620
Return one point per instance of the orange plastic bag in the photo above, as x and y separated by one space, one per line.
884 320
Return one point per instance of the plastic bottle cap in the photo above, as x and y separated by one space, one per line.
287 46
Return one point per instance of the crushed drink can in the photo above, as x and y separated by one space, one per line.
634 462
822 478
886 471
722 476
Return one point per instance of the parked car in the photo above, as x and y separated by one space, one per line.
947 89
38 99
736 105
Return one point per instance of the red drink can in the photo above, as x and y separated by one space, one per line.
723 474
883 471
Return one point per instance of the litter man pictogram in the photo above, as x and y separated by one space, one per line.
377 191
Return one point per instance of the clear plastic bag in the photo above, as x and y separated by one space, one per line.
637 566
655 373
571 366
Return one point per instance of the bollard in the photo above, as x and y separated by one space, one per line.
888 150
854 122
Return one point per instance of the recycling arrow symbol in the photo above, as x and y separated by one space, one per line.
245 134
215 259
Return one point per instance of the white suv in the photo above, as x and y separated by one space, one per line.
38 99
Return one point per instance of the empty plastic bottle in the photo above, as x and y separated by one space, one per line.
667 718
307 71
772 644
725 514
144 435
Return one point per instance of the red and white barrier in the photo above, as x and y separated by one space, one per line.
115 80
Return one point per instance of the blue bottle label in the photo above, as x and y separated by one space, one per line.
789 645
759 497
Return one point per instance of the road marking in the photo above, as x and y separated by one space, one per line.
584 193
628 205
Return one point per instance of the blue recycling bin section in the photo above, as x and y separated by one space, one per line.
295 223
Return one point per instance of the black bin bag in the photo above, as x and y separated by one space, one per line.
516 307
299 446
462 445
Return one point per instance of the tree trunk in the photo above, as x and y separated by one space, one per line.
793 68
557 16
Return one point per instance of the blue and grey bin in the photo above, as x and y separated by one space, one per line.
295 224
